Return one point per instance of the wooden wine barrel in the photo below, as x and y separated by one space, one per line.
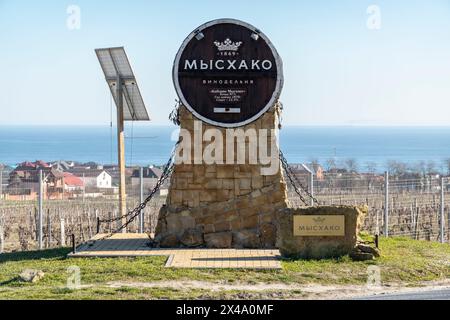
228 73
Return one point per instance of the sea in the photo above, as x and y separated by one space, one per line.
152 144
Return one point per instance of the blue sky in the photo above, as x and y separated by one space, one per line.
337 70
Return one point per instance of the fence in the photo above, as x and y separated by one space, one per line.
416 207
413 207
43 223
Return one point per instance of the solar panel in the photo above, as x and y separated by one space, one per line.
115 64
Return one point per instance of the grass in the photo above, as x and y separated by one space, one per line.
404 261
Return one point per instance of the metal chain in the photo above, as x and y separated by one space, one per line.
295 182
131 215
167 172
136 211
158 185
174 116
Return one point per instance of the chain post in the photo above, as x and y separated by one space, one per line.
131 215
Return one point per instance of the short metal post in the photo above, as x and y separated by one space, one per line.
40 209
84 187
141 199
377 241
49 229
62 233
442 215
98 225
2 239
1 184
74 247
386 204
311 187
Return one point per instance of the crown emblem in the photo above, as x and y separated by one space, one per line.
319 220
228 45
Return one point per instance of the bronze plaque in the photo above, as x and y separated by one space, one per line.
330 225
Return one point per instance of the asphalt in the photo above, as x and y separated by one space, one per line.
438 294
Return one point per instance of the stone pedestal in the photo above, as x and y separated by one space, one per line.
319 247
222 205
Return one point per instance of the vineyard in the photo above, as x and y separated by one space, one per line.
61 219
414 211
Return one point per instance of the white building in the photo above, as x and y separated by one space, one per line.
94 178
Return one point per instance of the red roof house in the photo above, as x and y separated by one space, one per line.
72 181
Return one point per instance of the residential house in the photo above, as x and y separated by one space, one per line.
304 169
63 165
93 178
151 176
114 171
72 183
4 178
24 181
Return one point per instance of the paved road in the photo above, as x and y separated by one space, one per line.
440 294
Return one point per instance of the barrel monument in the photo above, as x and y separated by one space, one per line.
228 77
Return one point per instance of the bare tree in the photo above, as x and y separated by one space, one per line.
371 167
314 163
431 167
447 165
330 164
422 168
397 168
351 165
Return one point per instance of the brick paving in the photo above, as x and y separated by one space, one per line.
137 245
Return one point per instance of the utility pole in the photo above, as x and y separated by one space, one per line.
386 204
121 151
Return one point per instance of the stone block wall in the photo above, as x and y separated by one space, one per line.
222 205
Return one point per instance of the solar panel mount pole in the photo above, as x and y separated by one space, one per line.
121 152
130 107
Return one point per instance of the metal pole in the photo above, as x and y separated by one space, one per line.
62 233
40 213
121 152
49 229
386 204
1 184
74 245
84 187
2 239
141 199
311 187
441 219
98 225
